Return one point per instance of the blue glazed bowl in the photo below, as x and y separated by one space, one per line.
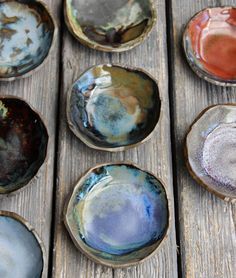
118 214
22 253
113 108
27 32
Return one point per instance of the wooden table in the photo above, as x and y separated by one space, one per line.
202 240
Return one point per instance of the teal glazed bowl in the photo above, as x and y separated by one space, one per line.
118 214
27 34
22 253
113 108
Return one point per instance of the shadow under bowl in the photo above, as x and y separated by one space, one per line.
23 144
209 42
113 108
118 214
22 253
27 33
111 26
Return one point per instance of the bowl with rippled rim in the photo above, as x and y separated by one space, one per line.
111 26
22 253
27 34
209 43
113 108
118 214
23 143
210 150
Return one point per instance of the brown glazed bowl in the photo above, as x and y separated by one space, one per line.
113 108
209 42
111 26
23 143
22 253
27 34
210 150
118 214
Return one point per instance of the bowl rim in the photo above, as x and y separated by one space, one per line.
201 73
80 134
52 46
186 155
92 257
33 179
28 226
126 46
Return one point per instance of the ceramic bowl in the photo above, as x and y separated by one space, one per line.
111 26
113 108
211 150
27 32
210 45
23 143
118 214
22 253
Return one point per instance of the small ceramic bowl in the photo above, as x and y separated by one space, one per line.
111 26
113 108
27 32
22 253
23 143
118 214
210 45
211 150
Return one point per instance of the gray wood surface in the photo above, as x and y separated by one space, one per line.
206 223
34 202
74 157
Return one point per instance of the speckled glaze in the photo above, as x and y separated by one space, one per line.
113 108
21 252
210 45
211 150
27 31
23 144
118 214
111 26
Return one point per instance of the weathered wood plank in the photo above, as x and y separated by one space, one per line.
74 157
207 224
40 90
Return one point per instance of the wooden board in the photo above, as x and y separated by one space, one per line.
74 157
207 224
41 90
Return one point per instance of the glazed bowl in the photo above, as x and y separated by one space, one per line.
209 43
23 143
22 253
111 26
210 150
27 32
113 108
118 214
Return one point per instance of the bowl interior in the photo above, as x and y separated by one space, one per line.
210 34
211 149
23 144
118 214
20 253
112 107
26 36
109 23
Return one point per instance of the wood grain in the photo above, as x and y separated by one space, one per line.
74 157
34 203
207 224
